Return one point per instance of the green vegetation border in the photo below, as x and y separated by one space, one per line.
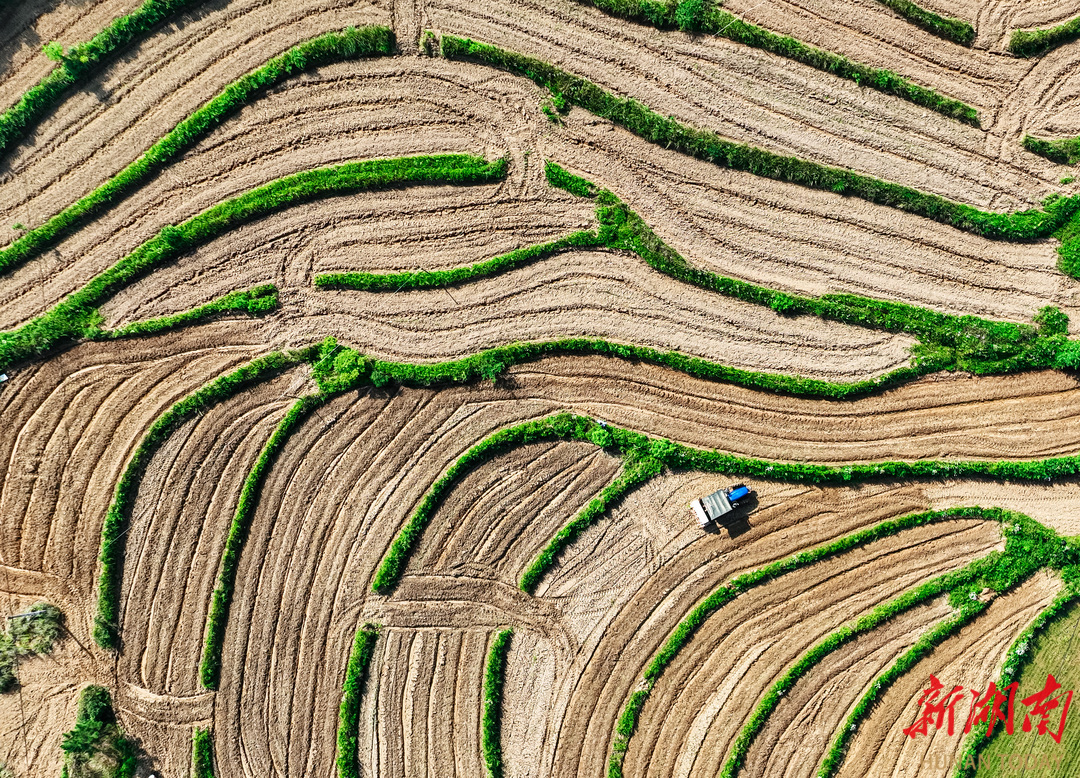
1064 151
706 16
491 717
218 617
348 734
1031 43
202 753
331 47
257 301
78 63
955 30
106 621
97 734
634 116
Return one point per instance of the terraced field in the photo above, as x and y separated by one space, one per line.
361 362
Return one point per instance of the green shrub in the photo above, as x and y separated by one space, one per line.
953 30
96 746
218 617
491 718
1064 151
1019 226
1029 43
106 622
348 736
331 47
34 632
202 754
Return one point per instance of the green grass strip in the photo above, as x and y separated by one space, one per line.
955 30
1069 250
79 63
1031 43
254 302
218 617
202 753
634 473
106 621
96 745
77 314
331 47
923 647
491 718
835 640
706 16
1064 151
1017 660
348 734
424 279
1026 225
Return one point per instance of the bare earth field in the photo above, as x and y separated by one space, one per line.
291 514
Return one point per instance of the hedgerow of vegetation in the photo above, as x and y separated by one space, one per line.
491 718
106 621
1030 43
1026 225
1064 151
706 16
331 47
1029 547
1017 659
1069 250
96 746
348 737
218 617
28 635
202 754
77 63
955 30
77 315
634 473
253 302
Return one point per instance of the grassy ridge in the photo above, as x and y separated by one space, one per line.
348 734
106 624
491 717
637 118
955 30
78 63
254 302
202 754
1030 43
1064 151
218 617
706 16
331 47
76 315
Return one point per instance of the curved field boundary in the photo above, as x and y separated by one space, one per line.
202 754
1064 151
331 47
655 453
944 584
257 301
634 116
1031 43
925 645
955 30
106 621
946 341
1026 551
356 672
79 62
491 718
76 315
706 16
1017 660
217 619
1069 250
